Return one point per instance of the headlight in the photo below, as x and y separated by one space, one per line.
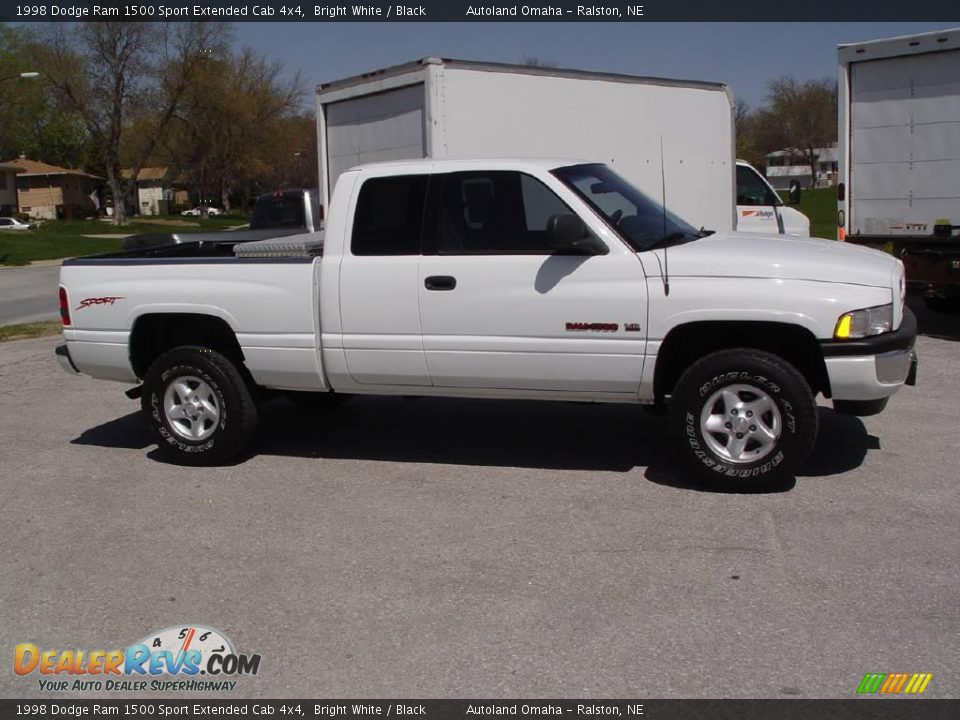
864 323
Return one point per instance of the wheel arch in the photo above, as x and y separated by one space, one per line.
153 334
687 343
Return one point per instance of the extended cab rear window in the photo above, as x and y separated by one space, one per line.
389 216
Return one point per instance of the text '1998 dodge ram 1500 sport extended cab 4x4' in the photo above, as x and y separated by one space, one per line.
533 279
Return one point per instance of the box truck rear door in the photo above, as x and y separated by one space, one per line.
373 128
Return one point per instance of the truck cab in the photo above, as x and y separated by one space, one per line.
760 209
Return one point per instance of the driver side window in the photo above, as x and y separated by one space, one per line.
495 212
751 190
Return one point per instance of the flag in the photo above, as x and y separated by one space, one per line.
95 200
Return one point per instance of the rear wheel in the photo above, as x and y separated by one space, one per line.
744 419
198 407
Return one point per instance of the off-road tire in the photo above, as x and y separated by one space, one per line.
229 422
760 377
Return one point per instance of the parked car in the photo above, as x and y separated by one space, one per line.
202 212
9 223
511 279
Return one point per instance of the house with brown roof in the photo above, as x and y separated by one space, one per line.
48 192
156 191
8 188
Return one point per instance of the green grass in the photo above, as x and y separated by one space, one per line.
56 239
820 206
29 330
23 247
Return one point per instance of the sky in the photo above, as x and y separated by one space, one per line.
745 56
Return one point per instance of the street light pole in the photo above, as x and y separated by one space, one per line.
18 76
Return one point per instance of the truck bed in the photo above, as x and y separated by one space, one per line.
270 304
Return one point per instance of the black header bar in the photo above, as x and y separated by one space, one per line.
145 707
945 11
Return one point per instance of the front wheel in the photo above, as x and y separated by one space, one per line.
198 407
744 419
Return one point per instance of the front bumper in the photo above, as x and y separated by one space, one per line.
63 358
872 369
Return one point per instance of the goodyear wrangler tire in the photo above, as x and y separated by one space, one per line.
198 407
744 419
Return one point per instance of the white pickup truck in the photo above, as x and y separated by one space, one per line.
535 279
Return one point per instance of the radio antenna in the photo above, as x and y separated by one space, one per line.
663 209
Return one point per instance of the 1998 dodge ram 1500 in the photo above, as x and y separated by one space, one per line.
537 279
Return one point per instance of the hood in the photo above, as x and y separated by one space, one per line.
755 255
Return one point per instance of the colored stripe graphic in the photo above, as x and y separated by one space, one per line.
894 683
871 682
918 683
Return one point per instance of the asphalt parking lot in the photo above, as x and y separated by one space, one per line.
442 548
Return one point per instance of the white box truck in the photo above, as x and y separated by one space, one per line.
899 169
669 137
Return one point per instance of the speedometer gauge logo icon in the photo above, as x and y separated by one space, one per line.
202 641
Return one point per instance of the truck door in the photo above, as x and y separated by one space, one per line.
500 310
380 317
757 203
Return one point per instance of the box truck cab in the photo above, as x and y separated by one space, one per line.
760 209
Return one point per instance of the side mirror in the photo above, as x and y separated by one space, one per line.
794 194
569 236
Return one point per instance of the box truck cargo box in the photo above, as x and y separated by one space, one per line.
673 139
899 141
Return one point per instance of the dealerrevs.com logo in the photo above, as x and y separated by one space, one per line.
185 657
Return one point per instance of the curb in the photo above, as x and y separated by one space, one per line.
34 263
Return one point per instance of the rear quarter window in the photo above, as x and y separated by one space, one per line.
389 216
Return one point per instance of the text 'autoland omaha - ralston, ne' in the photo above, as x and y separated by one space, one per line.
581 11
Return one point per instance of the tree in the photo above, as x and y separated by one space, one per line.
111 73
744 127
289 156
33 122
801 117
238 127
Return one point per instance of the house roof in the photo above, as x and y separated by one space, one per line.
147 173
35 167
11 166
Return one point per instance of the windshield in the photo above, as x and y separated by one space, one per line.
641 222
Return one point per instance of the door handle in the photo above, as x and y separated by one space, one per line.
440 282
